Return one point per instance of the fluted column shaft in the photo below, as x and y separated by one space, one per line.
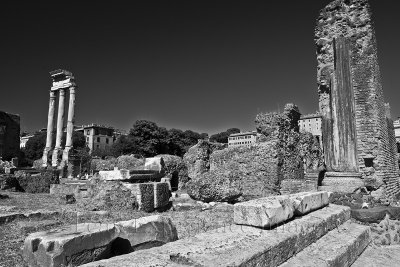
50 121
60 118
71 118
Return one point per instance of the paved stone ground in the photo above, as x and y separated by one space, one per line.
384 256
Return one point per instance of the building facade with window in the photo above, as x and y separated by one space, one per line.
242 139
311 123
98 136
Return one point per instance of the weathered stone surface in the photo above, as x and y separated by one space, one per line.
237 245
375 214
87 242
385 256
148 231
116 174
341 182
197 157
75 245
309 201
264 212
255 169
211 186
359 135
176 169
37 214
372 215
108 195
339 247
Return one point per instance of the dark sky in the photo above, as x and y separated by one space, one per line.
200 65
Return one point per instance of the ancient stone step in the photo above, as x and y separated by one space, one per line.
86 242
340 247
237 245
385 256
270 211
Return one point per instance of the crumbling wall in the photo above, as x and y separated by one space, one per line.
9 135
350 21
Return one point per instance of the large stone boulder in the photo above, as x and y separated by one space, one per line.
176 169
214 187
147 232
83 243
108 195
256 168
197 157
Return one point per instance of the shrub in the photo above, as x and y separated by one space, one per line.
37 183
130 162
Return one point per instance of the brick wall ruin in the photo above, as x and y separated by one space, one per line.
357 134
9 135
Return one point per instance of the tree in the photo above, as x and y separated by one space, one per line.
35 145
223 136
149 139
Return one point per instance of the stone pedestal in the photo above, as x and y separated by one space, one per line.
345 182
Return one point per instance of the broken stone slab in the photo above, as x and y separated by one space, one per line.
375 214
116 174
270 211
87 242
71 245
148 231
264 212
42 214
238 245
306 202
339 247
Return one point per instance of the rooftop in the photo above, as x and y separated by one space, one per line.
244 133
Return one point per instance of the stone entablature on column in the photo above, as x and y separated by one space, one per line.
63 82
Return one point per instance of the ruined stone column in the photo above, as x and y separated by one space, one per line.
60 126
50 120
70 124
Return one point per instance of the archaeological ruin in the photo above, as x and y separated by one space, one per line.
62 81
9 135
358 134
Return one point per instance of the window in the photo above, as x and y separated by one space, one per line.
87 132
98 139
106 140
87 139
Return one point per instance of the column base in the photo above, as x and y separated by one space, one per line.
344 182
55 162
45 157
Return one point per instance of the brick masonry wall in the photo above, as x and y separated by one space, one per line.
376 157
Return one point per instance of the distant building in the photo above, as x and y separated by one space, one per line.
24 139
9 135
242 139
311 123
98 136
